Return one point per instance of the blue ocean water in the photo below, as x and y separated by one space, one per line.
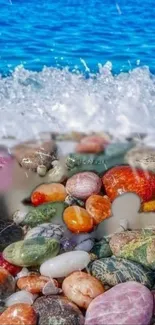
76 64
62 32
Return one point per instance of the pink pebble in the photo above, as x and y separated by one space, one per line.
83 185
125 304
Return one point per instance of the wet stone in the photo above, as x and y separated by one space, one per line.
57 310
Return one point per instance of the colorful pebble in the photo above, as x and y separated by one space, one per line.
125 304
82 185
123 179
44 193
47 230
31 252
18 314
77 219
33 283
99 207
81 288
12 269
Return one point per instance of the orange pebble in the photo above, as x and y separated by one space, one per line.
33 283
89 147
148 206
91 144
18 314
99 207
48 193
81 288
77 219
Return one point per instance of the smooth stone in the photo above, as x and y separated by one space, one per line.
18 314
64 264
41 170
86 245
24 272
100 163
22 296
31 252
82 185
7 284
51 289
114 149
58 173
81 288
48 212
77 241
102 248
57 310
32 154
125 304
9 233
137 246
12 269
47 230
112 271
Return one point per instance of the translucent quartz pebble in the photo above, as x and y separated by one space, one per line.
19 314
64 264
51 289
22 296
125 304
47 230
22 273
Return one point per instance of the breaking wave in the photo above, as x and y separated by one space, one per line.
60 100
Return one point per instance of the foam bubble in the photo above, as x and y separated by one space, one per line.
59 100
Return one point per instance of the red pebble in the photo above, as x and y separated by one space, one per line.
12 269
123 179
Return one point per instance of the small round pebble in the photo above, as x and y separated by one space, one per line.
82 185
18 314
47 230
82 288
41 170
99 207
12 269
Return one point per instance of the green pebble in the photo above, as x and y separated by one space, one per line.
31 252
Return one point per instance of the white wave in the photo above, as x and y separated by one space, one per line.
59 100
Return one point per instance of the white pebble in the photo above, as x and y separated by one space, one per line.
41 170
23 272
64 264
22 296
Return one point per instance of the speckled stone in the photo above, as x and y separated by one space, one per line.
9 233
44 213
112 271
31 252
57 310
47 230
